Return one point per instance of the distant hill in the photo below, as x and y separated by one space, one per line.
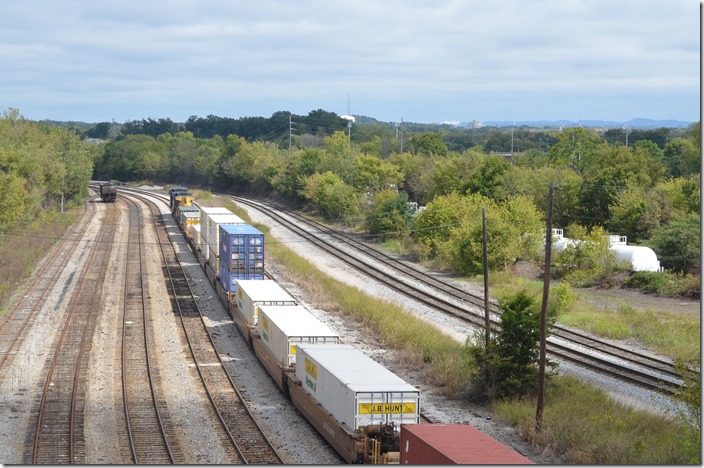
633 123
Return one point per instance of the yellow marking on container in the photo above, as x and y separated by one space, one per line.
387 408
293 349
311 369
265 322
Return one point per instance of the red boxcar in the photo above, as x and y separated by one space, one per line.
447 444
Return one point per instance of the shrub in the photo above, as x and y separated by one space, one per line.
509 367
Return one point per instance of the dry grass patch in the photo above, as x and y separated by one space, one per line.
21 252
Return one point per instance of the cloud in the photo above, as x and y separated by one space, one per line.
146 54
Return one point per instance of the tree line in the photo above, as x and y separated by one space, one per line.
647 191
42 168
643 191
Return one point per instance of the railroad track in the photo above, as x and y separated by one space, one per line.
638 368
240 435
24 312
58 432
151 436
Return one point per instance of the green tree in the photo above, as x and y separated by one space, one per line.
391 214
428 144
371 174
290 180
413 167
681 157
575 148
513 233
613 169
678 243
433 226
587 259
488 177
331 197
511 361
12 200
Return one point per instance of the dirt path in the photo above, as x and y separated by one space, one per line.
613 299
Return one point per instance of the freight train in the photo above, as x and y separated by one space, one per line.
363 410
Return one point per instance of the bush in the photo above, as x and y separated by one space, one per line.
509 367
665 284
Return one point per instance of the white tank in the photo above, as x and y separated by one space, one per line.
638 257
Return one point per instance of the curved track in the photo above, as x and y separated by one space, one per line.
571 345
58 433
150 434
244 440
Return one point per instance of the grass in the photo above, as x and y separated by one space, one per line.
585 426
21 252
666 333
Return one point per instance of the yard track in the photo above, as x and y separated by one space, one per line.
638 368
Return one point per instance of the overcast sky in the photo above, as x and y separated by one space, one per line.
420 60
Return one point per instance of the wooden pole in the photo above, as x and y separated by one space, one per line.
487 321
544 312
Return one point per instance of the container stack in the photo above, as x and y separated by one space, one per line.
241 254
212 235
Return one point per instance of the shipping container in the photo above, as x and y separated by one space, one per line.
214 222
282 327
205 211
228 279
188 218
195 235
448 444
180 210
354 388
241 249
252 293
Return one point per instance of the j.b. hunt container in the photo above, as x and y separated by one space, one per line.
354 388
252 294
281 328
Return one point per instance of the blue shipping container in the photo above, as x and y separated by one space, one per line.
242 250
228 279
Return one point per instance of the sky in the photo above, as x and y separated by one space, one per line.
423 61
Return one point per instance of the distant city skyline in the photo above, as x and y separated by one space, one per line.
425 62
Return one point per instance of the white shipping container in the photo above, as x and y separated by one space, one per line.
196 234
213 259
205 211
213 226
281 328
187 218
354 388
254 293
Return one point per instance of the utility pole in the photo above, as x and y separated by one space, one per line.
487 321
401 134
544 311
289 135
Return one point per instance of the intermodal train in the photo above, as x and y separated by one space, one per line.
362 409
